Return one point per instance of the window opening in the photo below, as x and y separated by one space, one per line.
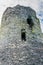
23 34
30 22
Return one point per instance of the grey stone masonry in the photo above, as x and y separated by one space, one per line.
20 37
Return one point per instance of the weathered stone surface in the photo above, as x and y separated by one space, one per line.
14 51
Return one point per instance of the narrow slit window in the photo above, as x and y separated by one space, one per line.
23 35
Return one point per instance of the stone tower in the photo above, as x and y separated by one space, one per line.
19 33
21 20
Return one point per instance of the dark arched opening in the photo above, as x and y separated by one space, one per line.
30 22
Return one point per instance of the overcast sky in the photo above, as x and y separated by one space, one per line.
35 4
